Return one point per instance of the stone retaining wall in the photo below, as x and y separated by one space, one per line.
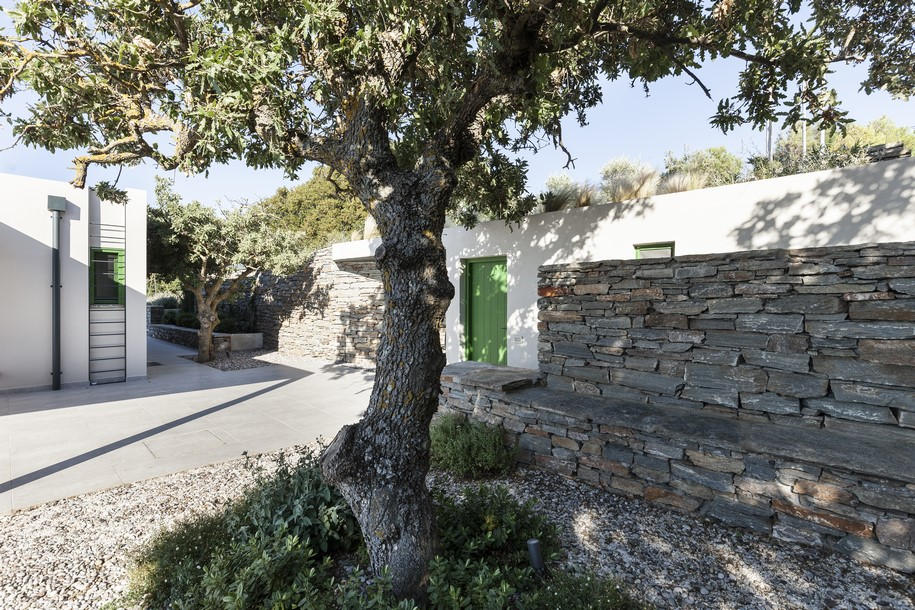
329 310
852 491
173 334
818 337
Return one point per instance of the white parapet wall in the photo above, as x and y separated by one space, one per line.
25 274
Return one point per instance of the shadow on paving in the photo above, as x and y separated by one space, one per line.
134 438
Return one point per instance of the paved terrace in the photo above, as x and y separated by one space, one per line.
59 444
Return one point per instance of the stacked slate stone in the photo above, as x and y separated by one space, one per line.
173 334
849 491
820 336
330 311
772 390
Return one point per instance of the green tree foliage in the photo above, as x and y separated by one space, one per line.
879 131
420 105
321 209
211 253
789 160
716 165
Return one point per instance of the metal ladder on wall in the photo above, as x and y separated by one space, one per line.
108 323
107 344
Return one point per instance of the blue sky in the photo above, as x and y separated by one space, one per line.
673 117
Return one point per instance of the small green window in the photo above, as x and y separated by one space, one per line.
663 249
106 277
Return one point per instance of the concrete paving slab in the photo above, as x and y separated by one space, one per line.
58 444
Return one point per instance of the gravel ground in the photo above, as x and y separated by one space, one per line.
74 553
673 560
252 359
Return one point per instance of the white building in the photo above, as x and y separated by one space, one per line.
102 288
493 267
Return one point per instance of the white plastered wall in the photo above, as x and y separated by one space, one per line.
867 204
25 275
135 276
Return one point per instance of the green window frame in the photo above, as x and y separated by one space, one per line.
100 260
653 250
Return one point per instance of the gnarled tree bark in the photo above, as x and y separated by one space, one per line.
380 463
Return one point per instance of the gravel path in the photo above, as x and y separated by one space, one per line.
74 553
673 560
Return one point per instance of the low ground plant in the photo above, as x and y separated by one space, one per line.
469 449
291 542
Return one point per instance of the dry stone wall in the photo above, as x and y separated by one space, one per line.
818 337
173 334
851 491
329 310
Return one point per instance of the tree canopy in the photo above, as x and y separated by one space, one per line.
881 130
320 209
279 83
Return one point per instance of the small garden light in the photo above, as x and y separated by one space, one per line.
533 550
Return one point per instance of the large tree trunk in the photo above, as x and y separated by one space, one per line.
380 463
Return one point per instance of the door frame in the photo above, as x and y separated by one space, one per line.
464 315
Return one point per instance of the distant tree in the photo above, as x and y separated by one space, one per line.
882 130
210 253
321 209
788 160
716 165
623 179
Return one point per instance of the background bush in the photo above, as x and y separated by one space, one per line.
468 448
166 301
187 319
169 316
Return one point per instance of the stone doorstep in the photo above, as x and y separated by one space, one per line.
862 452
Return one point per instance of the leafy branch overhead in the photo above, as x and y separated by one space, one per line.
280 83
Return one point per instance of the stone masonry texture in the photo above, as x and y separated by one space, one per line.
329 310
818 337
770 390
844 489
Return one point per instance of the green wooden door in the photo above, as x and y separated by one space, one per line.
486 290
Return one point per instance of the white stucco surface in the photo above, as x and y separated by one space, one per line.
25 274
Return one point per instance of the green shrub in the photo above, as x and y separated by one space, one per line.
490 524
469 449
271 548
281 546
167 301
169 316
187 319
228 325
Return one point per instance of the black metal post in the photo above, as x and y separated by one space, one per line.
57 206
